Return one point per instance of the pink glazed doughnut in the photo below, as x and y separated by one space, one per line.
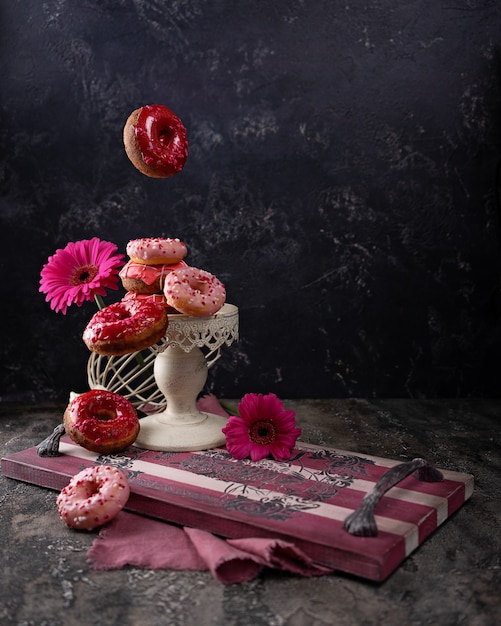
93 497
194 292
156 251
147 279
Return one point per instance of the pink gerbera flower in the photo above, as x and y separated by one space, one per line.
82 271
263 428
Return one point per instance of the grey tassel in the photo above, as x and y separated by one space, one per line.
50 445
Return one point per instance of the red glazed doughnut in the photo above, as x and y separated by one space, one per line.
155 141
194 292
126 327
156 250
101 421
93 497
146 279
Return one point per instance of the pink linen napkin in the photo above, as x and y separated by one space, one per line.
280 554
143 542
140 541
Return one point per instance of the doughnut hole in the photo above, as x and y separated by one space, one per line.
104 415
165 136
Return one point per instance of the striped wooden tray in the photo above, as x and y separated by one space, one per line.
304 500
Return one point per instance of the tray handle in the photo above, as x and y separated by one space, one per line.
362 521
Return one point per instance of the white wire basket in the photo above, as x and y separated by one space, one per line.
132 375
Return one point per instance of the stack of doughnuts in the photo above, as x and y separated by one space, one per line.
151 259
158 282
157 272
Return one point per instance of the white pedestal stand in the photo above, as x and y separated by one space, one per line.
180 372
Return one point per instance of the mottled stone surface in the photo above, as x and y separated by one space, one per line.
340 181
453 579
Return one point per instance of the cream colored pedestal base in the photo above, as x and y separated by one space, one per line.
180 373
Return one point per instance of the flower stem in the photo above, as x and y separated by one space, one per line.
139 359
229 408
99 301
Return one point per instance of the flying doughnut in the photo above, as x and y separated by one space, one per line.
155 141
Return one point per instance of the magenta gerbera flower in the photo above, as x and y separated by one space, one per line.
263 428
80 272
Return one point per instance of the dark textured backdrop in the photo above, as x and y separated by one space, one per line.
340 181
